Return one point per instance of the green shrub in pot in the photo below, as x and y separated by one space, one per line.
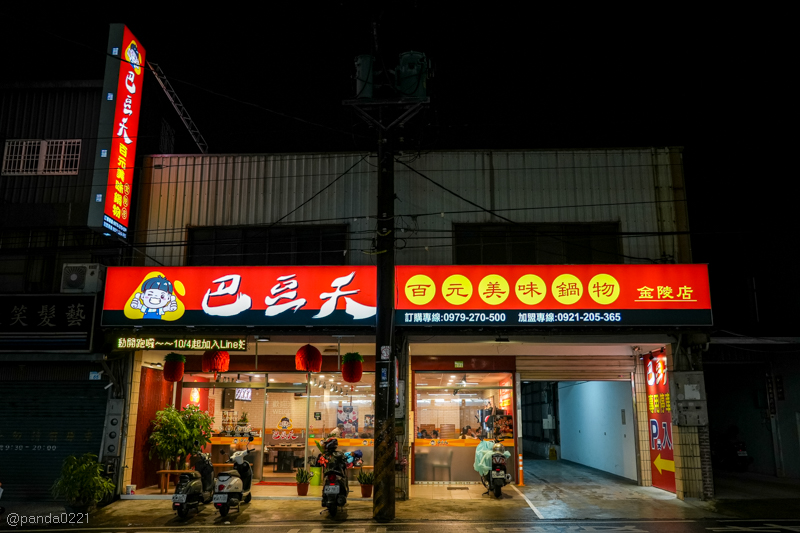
82 482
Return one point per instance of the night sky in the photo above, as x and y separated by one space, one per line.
537 78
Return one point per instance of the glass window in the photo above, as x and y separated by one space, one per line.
463 405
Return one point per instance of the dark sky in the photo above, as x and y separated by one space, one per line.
502 79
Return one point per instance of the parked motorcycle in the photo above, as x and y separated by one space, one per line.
730 452
490 463
335 486
233 486
195 487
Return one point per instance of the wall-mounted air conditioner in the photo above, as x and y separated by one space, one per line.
82 277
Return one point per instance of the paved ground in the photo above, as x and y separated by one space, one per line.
556 494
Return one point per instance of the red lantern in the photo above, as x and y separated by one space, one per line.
352 367
216 361
308 359
173 366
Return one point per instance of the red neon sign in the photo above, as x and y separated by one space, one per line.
117 208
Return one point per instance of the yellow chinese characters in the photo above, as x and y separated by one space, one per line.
457 289
567 289
665 293
530 289
493 289
604 289
420 289
658 403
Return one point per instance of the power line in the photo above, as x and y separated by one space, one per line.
508 219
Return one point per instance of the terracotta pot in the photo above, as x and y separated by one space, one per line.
302 489
366 491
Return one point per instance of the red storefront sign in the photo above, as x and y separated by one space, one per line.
125 131
610 295
240 296
662 460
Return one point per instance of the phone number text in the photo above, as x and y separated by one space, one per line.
511 317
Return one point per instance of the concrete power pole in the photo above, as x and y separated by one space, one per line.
384 114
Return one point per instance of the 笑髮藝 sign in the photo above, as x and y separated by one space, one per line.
47 322
659 412
240 296
553 295
112 183
171 343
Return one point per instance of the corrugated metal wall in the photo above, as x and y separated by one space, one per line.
629 186
51 111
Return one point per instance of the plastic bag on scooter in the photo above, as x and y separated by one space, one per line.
483 457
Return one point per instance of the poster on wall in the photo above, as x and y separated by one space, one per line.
662 460
369 421
347 415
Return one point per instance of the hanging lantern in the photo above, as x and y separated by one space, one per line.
352 367
308 359
173 366
216 361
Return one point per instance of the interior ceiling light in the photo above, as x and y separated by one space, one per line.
261 338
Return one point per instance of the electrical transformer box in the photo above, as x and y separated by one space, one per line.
688 399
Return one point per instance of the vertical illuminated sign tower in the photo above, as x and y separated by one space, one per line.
112 183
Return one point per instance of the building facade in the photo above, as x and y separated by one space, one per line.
60 389
308 219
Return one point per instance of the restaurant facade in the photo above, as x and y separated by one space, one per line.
556 333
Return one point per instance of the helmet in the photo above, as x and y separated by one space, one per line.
331 443
498 448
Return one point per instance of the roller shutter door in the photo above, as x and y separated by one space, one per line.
41 423
576 367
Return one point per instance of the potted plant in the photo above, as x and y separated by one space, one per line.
198 430
366 480
173 366
303 477
82 482
174 434
167 436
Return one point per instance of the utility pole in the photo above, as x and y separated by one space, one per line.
384 114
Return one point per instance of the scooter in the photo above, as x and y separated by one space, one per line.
196 487
497 477
233 486
335 486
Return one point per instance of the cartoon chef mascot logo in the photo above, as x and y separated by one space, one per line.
133 57
285 423
155 299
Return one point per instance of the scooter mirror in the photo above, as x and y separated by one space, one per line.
250 439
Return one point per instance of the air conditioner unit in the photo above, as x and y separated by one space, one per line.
82 277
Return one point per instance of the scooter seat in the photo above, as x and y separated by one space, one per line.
227 474
191 475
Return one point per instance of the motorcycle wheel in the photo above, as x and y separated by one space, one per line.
183 511
248 498
223 511
498 491
332 510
